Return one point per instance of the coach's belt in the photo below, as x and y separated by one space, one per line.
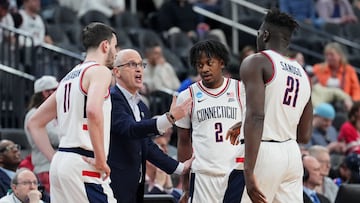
242 141
78 150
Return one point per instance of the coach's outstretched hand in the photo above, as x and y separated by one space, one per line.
187 165
180 110
233 133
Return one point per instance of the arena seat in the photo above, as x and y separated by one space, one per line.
161 198
348 193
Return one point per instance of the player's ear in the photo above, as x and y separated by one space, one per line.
105 45
222 63
266 36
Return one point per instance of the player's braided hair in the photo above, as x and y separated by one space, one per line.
277 18
211 48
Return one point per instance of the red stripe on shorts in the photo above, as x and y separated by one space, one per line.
239 159
91 174
85 127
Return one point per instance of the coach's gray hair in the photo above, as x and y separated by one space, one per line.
315 150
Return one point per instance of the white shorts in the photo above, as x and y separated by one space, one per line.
279 172
74 180
207 188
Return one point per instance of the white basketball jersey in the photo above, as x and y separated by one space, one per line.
213 113
286 95
71 110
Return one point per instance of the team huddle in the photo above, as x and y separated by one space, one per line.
237 139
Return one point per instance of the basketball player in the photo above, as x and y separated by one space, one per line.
278 113
216 107
78 171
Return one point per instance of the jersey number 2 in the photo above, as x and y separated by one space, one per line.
67 97
291 92
218 131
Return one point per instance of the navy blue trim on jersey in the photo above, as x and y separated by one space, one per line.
78 150
85 100
235 188
192 186
95 193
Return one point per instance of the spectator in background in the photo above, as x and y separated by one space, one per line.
178 13
356 7
302 10
246 51
324 133
73 5
9 162
213 6
312 179
24 187
33 23
321 94
108 8
336 11
159 74
5 18
337 72
194 76
43 88
159 181
349 170
299 57
328 188
349 131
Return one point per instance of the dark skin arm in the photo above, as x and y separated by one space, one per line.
304 129
184 153
254 71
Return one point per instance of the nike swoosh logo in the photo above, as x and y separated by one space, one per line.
201 100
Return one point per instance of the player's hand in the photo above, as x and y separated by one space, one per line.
180 110
99 165
253 190
184 197
233 133
187 165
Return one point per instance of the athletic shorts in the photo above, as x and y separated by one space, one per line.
278 170
207 188
74 180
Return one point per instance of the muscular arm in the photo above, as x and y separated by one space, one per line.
37 126
304 129
252 76
254 71
184 153
96 81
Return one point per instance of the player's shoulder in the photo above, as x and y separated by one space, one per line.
185 93
97 71
255 58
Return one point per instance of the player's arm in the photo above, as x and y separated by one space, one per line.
97 81
184 153
253 77
37 126
304 129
